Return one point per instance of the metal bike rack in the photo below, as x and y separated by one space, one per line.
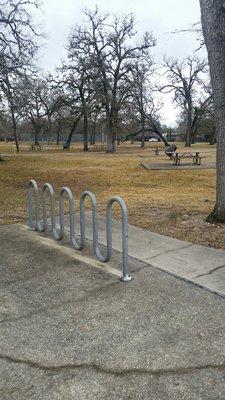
58 233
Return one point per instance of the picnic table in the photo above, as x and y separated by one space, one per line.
98 147
196 158
36 147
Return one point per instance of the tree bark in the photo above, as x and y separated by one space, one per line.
213 24
58 132
189 130
213 137
85 133
15 130
142 131
68 141
110 137
93 131
36 135
66 145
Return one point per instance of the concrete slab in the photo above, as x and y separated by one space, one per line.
72 331
190 261
143 244
183 259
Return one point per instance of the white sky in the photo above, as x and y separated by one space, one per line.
157 16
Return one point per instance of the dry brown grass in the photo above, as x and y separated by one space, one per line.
173 203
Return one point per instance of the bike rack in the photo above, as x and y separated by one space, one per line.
58 233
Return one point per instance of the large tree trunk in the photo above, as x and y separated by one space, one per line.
166 143
93 131
85 133
110 137
66 145
68 141
142 132
36 136
213 137
58 132
189 130
213 24
15 131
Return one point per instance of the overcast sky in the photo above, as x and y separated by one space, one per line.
158 16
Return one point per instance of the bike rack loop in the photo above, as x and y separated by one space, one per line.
58 234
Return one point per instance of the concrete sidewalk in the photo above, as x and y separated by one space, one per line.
70 329
204 266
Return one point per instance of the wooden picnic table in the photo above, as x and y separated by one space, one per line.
36 147
98 147
196 158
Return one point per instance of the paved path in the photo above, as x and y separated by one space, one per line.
70 329
202 265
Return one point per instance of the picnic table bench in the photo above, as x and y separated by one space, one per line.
36 147
99 147
196 158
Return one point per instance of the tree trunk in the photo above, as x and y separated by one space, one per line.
92 133
85 133
66 145
142 129
213 24
162 137
36 136
93 136
193 135
15 131
58 133
110 137
189 130
213 137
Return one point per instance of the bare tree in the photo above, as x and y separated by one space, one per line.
108 44
140 95
184 79
78 77
213 25
71 109
17 48
35 107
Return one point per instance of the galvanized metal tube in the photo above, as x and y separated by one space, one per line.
32 187
96 248
59 233
73 240
56 233
125 277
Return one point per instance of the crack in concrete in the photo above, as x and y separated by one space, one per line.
169 251
54 307
210 272
110 371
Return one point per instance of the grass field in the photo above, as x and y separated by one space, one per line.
174 203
